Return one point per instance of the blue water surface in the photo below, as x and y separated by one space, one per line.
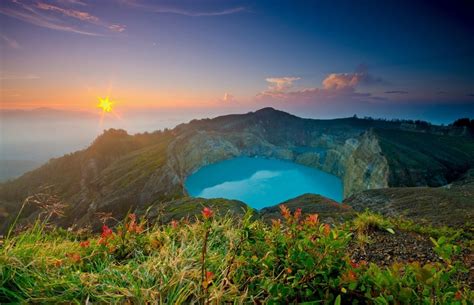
261 182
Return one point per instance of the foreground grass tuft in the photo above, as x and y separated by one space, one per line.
216 260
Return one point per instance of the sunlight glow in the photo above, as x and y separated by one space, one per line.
105 104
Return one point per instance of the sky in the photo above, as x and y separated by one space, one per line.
313 58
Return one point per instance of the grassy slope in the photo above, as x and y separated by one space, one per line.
421 158
452 205
115 161
245 261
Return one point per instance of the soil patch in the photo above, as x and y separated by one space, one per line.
385 248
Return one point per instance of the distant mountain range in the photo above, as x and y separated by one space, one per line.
146 172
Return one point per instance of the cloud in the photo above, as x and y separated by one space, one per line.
73 2
471 94
117 28
30 16
10 42
228 97
281 83
181 11
349 80
396 92
57 17
341 81
84 16
336 86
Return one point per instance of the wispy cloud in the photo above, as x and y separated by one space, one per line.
84 16
58 17
396 92
10 42
71 2
42 21
228 97
182 11
117 28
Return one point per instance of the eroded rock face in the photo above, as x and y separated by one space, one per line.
366 167
358 161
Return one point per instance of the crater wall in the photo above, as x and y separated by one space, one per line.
358 161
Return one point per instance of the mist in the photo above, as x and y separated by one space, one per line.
29 138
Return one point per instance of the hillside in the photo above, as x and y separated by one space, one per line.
451 205
220 259
121 172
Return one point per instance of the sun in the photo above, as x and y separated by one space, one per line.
105 104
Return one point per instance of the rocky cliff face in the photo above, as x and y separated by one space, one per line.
366 167
357 161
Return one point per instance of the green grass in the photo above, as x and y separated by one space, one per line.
366 222
432 154
216 260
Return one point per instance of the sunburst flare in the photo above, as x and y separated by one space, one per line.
105 104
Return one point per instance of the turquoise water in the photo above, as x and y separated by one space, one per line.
261 182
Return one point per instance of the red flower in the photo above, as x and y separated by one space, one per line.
354 264
131 226
327 229
106 232
58 263
208 279
349 276
297 214
312 219
85 244
285 212
174 224
207 213
103 241
458 295
139 229
276 223
74 257
209 276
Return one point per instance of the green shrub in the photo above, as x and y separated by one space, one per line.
218 260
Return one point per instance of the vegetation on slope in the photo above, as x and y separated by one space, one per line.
115 160
214 260
451 205
417 159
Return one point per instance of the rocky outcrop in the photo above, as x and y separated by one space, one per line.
328 210
366 167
